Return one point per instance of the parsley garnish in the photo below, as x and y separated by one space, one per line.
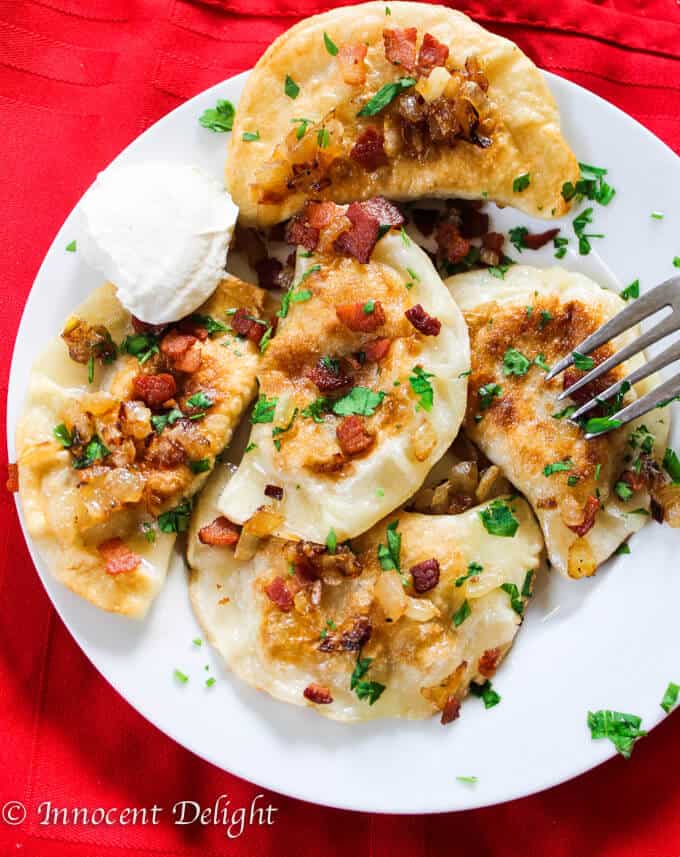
301 130
515 363
140 345
389 554
545 318
467 779
670 697
160 421
331 47
580 223
499 271
631 291
298 296
278 430
486 692
175 520
251 446
63 435
94 451
521 183
212 325
316 409
385 95
149 532
558 467
473 569
331 541
219 118
499 520
487 393
461 614
560 245
527 585
676 261
517 235
623 549
590 185
419 380
250 136
263 412
539 361
181 677
323 138
209 682
202 465
359 400
291 88
623 491
565 414
370 690
266 338
621 729
200 400
369 307
405 240
71 247
657 215
671 464
515 599
600 425
583 363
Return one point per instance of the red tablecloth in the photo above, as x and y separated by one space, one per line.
79 79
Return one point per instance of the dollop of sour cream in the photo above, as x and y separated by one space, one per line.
160 233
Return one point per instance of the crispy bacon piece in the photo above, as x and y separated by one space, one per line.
277 591
154 389
182 351
118 556
354 317
220 533
360 240
269 273
273 491
452 246
425 219
493 241
423 322
400 46
351 58
488 663
473 223
384 211
300 232
318 694
140 326
351 640
247 326
369 149
376 350
591 509
534 241
431 54
327 380
320 214
353 436
425 575
451 711
12 483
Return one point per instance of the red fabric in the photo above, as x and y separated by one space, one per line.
79 79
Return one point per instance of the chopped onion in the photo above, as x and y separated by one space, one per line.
390 595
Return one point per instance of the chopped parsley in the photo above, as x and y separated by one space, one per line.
160 421
266 339
623 491
499 520
94 451
539 361
676 261
210 682
212 325
642 439
405 240
175 520
487 393
370 690
331 47
63 435
671 464
560 245
302 125
632 291
263 412
622 550
251 446
412 274
316 409
71 247
515 598
141 345
181 677
279 430
566 413
517 235
385 95
621 729
149 532
331 541
515 363
369 307
200 400
473 569
359 400
461 614
389 554
201 465
598 470
527 585
670 697
558 467
471 780
521 183
298 296
419 380
291 88
599 425
583 363
591 185
580 223
220 118
572 481
486 693
545 318
250 136
323 138
499 271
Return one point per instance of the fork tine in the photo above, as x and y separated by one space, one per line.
665 328
667 391
670 355
664 295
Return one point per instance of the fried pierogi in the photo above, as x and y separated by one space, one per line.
588 495
121 426
396 624
362 388
423 102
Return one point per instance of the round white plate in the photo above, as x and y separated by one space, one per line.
609 642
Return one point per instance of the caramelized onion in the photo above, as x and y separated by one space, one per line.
389 594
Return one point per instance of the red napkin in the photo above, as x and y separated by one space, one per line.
79 79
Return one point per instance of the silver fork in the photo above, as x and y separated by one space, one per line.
665 295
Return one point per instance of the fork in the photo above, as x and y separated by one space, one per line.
660 297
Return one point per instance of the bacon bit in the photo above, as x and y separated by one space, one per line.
473 223
353 437
220 533
300 232
400 46
384 211
431 54
425 575
354 317
357 636
182 351
192 327
246 326
376 350
452 246
154 389
537 240
488 663
591 509
423 322
327 380
140 326
269 273
273 491
277 591
451 711
425 219
360 240
12 483
493 241
118 556
369 149
318 694
351 58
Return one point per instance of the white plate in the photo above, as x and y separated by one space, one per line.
609 642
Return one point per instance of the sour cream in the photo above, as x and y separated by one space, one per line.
160 233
